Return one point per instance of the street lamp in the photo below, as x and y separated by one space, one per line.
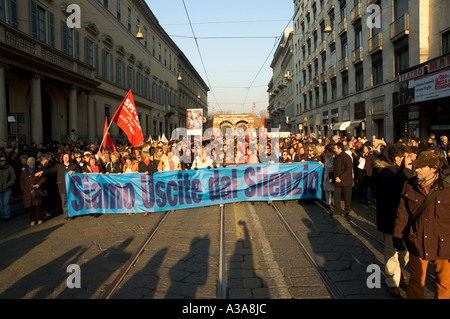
139 35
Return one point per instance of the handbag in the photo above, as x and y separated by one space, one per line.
39 193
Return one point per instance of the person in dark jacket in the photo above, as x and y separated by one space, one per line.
342 179
29 182
60 170
428 237
7 181
145 164
390 179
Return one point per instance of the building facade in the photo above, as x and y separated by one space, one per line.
348 55
281 87
55 78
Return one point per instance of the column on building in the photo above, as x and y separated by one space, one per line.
73 110
3 107
91 115
37 134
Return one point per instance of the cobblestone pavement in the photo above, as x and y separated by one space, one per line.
182 259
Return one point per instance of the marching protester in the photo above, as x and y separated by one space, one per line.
93 167
342 179
422 220
7 181
33 189
60 169
390 180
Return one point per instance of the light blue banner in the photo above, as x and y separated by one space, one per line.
171 190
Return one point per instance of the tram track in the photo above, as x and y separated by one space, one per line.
334 291
127 267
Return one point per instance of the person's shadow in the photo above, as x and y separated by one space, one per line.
242 279
191 271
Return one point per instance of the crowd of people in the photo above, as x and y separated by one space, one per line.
375 170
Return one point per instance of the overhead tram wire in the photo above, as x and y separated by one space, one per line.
265 61
200 54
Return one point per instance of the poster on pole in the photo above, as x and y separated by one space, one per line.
194 122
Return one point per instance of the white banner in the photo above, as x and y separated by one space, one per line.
434 86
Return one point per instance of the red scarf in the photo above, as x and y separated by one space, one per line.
94 169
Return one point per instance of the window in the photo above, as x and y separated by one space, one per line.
120 72
401 60
42 24
446 42
130 78
70 40
8 12
107 65
140 83
105 3
359 78
129 19
324 93
345 84
91 53
333 89
377 69
119 15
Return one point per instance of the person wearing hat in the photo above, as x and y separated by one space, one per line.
425 226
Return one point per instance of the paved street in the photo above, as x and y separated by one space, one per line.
182 259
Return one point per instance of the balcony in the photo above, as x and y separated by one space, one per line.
31 51
316 54
342 27
356 13
400 27
323 77
323 46
332 38
343 64
332 71
330 5
316 81
376 43
358 55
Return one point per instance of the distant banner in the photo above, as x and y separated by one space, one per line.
140 193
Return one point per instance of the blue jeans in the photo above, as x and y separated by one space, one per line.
5 209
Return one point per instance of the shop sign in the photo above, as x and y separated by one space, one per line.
439 63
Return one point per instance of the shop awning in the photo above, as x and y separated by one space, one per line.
356 123
341 126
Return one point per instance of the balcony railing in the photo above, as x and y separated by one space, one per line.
330 5
323 46
332 38
342 27
356 13
323 77
358 55
400 27
332 71
343 64
22 42
376 43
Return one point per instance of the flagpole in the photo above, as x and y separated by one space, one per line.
104 136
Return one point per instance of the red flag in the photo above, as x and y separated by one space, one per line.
107 140
127 119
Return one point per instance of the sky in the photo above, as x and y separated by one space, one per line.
230 43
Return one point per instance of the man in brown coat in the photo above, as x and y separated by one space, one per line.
342 179
428 236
